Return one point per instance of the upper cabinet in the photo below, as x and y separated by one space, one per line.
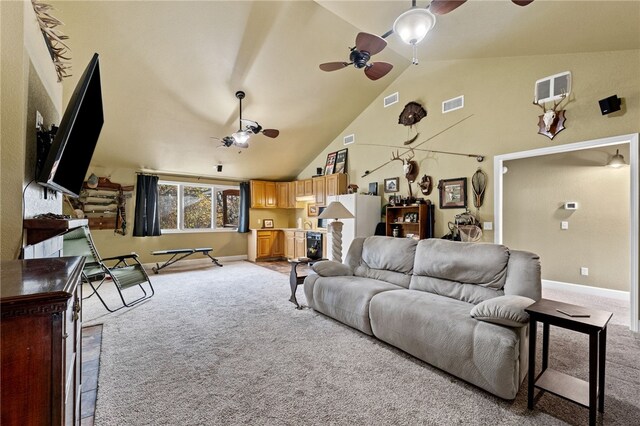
265 194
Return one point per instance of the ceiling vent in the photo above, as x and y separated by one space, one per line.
391 99
453 104
553 87
349 139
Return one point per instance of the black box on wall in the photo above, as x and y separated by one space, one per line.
610 104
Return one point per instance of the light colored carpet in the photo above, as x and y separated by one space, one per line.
220 346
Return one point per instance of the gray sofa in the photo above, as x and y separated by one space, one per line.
457 306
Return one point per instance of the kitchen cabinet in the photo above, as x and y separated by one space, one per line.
266 244
295 245
282 199
308 187
263 194
319 190
335 184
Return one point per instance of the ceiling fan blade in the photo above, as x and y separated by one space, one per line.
522 2
370 43
440 7
377 70
333 66
271 133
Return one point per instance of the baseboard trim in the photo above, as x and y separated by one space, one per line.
585 289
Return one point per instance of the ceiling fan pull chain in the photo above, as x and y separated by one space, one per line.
414 61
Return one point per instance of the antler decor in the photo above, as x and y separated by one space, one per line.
551 122
53 38
409 167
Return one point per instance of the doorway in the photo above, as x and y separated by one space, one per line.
632 140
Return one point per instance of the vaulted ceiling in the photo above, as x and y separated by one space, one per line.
170 69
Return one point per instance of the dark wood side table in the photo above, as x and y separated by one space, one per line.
592 322
295 280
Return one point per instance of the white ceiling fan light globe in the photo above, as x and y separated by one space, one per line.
414 24
241 137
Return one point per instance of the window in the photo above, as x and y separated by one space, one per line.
191 207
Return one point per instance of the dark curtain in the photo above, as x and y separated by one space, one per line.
147 219
245 203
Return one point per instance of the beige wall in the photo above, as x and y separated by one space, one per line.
498 94
28 83
535 190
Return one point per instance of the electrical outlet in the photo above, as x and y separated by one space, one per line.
584 271
564 225
487 226
39 120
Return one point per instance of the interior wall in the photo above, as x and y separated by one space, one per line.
108 243
535 190
28 83
498 94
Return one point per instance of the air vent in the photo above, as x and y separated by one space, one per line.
391 99
453 104
349 139
553 87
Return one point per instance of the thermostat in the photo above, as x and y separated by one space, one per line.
571 205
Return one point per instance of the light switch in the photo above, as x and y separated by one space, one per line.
487 226
564 225
584 271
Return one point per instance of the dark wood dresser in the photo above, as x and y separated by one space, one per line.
41 338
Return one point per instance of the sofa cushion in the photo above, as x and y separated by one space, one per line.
439 330
504 310
330 268
470 272
346 299
384 258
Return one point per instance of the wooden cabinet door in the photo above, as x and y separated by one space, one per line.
289 244
270 195
318 190
299 188
264 244
282 189
300 245
277 248
292 195
308 187
335 184
257 194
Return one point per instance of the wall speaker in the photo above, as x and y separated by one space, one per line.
610 104
219 167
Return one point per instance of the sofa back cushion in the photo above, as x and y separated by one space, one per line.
471 272
383 258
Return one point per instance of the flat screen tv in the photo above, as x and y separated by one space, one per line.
70 154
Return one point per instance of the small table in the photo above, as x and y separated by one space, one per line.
295 280
592 322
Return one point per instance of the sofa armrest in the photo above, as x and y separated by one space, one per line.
504 310
330 268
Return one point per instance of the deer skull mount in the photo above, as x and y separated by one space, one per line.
409 167
551 122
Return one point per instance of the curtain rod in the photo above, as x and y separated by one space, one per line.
187 175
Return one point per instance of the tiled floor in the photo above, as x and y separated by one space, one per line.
91 345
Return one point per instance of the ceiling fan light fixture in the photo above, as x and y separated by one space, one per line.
241 137
616 161
413 25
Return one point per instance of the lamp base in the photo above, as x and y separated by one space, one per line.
336 241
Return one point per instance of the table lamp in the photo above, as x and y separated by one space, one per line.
336 210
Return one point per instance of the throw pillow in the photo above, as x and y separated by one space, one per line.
504 310
329 268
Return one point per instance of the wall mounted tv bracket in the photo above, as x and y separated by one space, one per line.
44 140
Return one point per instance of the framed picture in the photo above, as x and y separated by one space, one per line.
267 223
341 161
329 167
373 188
411 217
453 193
312 210
391 184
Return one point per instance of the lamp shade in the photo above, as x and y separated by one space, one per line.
335 210
414 24
616 161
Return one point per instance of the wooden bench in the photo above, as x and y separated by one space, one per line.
182 253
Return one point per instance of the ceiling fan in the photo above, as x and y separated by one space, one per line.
366 46
241 137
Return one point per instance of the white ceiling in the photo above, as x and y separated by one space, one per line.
170 69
